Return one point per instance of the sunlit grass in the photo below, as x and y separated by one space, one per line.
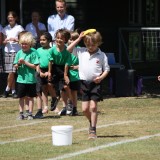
141 113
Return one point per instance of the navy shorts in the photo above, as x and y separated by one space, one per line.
58 76
75 85
91 91
26 90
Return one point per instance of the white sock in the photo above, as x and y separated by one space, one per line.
7 89
13 91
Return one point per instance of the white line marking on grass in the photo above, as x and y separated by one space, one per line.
76 130
22 125
25 139
102 147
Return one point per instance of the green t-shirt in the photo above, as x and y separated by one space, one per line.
26 74
43 55
57 57
73 73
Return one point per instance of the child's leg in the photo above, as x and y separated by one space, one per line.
26 107
21 104
54 100
21 108
85 110
39 113
31 104
92 129
39 101
74 97
45 98
94 114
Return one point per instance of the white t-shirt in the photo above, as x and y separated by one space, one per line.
31 28
91 66
12 33
55 22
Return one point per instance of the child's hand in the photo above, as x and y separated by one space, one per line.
97 80
46 74
21 61
66 80
73 67
42 74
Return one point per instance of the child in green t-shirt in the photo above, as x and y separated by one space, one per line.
25 62
43 85
71 77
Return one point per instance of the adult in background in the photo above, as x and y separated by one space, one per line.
61 20
10 40
36 27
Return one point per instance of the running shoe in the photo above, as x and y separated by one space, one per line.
69 108
38 115
63 112
54 103
21 117
92 133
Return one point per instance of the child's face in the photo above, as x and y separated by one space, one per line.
43 41
92 47
25 47
60 40
70 41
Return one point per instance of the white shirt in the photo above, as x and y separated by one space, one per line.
12 33
55 22
31 28
91 66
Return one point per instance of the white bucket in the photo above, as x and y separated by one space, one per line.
62 135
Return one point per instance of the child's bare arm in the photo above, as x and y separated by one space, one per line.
66 78
74 43
101 77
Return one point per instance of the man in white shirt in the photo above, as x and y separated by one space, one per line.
61 20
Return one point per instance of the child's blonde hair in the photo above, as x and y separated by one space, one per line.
95 38
27 38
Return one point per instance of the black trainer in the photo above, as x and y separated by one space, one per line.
74 112
54 103
69 108
38 115
63 112
5 94
14 95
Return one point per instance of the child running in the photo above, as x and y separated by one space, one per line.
93 68
25 62
42 77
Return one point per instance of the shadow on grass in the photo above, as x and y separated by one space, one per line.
113 136
52 117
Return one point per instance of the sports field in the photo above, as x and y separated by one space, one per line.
128 129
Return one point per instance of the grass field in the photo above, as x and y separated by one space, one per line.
128 129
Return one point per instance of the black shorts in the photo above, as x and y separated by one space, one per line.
26 90
75 85
44 80
91 91
58 76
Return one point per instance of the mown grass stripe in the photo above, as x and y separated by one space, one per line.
76 130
